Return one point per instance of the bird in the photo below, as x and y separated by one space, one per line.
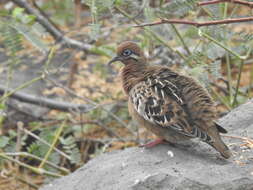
172 106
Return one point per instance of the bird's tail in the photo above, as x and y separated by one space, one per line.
221 147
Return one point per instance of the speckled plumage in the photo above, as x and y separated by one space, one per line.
173 106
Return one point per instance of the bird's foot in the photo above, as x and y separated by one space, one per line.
153 143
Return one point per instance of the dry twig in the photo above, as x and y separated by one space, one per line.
46 102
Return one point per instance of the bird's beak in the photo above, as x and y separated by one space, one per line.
116 58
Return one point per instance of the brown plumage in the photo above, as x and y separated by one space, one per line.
173 106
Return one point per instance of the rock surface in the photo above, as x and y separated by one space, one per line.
182 167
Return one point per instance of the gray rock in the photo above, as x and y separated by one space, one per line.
195 166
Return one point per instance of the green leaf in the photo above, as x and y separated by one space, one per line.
11 38
2 106
12 133
149 14
4 141
215 69
70 147
29 19
31 37
18 12
10 147
75 156
54 158
33 149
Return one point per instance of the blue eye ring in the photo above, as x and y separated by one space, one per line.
126 52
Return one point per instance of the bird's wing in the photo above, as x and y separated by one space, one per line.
159 101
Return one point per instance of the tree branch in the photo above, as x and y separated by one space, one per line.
96 105
241 2
57 34
197 24
45 102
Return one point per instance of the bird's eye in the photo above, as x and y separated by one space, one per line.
126 52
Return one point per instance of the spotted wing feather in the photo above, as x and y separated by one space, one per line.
159 102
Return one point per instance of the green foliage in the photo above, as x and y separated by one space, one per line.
71 148
19 15
61 11
18 25
11 38
177 7
97 8
205 54
215 69
4 141
38 148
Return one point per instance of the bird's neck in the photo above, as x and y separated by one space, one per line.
131 74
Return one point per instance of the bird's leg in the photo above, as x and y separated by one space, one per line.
153 143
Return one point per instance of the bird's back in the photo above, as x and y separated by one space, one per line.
192 97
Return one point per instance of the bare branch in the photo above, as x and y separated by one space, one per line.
197 24
51 27
20 124
241 2
45 102
93 103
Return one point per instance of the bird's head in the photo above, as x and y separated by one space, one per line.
129 52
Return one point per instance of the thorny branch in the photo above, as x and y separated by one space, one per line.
52 28
197 24
207 23
241 2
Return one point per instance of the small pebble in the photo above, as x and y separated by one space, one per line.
170 153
